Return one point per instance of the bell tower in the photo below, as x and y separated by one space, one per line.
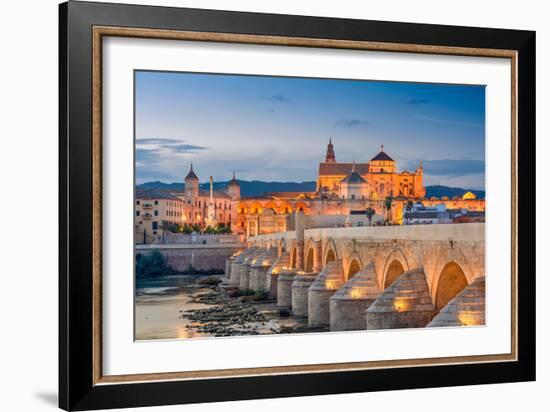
331 157
191 185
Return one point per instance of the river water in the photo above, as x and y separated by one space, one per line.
161 303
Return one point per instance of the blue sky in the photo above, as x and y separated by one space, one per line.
277 128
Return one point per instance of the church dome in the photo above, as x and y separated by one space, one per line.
191 174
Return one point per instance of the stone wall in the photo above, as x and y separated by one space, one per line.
201 257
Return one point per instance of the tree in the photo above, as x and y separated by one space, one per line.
370 213
388 205
410 205
164 228
153 264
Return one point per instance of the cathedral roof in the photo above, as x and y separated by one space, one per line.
155 194
382 156
354 177
342 169
191 174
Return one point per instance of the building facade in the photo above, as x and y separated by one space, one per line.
343 190
379 178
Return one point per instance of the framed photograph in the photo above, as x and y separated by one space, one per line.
257 205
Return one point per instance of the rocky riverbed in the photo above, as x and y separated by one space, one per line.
203 310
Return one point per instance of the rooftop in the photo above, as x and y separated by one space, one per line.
342 169
155 194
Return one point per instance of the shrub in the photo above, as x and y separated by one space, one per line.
210 280
152 265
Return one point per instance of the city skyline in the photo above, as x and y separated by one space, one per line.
285 124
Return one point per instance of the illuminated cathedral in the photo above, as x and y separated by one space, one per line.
344 190
376 179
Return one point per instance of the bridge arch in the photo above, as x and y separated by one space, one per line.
282 247
451 255
395 265
451 281
354 265
330 253
309 260
293 255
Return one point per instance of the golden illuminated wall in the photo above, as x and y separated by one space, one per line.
381 185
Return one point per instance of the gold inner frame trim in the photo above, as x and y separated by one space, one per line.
102 31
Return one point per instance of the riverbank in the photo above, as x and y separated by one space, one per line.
180 307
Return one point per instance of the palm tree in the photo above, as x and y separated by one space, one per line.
388 204
370 213
164 227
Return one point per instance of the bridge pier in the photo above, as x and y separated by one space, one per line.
259 269
300 287
235 275
284 288
244 278
330 279
405 304
228 263
466 309
282 262
349 303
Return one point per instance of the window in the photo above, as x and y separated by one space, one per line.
156 202
156 212
137 212
155 225
353 197
137 202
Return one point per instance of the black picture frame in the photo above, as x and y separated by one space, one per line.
77 390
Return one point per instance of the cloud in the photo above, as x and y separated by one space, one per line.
184 148
445 121
350 123
449 167
158 145
417 101
277 98
155 141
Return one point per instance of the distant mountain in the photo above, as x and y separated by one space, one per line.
248 188
257 188
450 192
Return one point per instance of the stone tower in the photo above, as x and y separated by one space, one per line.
234 189
191 185
331 158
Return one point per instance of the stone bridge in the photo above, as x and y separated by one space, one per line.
371 277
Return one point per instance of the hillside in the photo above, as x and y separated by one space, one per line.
257 188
